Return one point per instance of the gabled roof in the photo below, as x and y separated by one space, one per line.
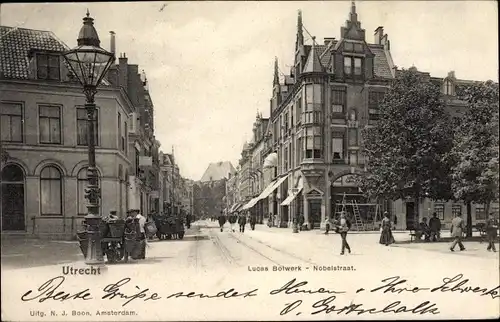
381 64
313 63
16 44
218 171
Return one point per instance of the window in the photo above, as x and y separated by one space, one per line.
300 149
347 65
456 210
480 212
299 110
285 158
313 142
353 137
374 101
51 191
285 120
439 210
121 144
50 124
11 122
137 162
348 46
48 66
338 101
338 147
82 183
353 66
353 157
125 138
82 126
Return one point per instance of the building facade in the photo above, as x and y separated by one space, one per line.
315 147
44 133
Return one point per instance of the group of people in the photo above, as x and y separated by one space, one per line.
241 219
430 231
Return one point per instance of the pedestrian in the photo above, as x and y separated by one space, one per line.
232 221
327 224
301 221
343 229
222 221
188 221
386 236
253 221
142 236
491 232
457 226
435 227
242 221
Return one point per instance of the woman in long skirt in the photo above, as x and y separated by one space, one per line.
386 237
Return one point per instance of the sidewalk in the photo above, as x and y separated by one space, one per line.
20 252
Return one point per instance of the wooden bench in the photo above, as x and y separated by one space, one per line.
414 235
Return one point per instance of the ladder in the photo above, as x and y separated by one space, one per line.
358 221
340 207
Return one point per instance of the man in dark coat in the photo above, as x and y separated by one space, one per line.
253 221
242 221
491 232
435 227
222 221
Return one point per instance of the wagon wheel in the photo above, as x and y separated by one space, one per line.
111 255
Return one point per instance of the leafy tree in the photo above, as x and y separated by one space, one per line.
406 149
475 148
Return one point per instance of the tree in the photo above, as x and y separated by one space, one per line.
406 149
475 148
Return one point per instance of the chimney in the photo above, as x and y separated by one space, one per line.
379 33
328 41
112 42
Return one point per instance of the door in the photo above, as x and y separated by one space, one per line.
410 215
13 199
315 213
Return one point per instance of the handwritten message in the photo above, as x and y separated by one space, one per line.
303 297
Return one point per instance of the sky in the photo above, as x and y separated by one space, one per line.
210 64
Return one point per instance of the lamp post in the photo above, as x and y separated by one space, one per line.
89 62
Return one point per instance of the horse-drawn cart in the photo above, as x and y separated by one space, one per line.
119 240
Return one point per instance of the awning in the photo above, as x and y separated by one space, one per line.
238 208
251 203
233 207
278 183
266 192
290 197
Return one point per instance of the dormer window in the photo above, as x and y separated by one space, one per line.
353 66
448 87
48 66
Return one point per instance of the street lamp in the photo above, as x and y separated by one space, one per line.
89 62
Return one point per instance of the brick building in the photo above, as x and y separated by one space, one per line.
44 132
317 112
